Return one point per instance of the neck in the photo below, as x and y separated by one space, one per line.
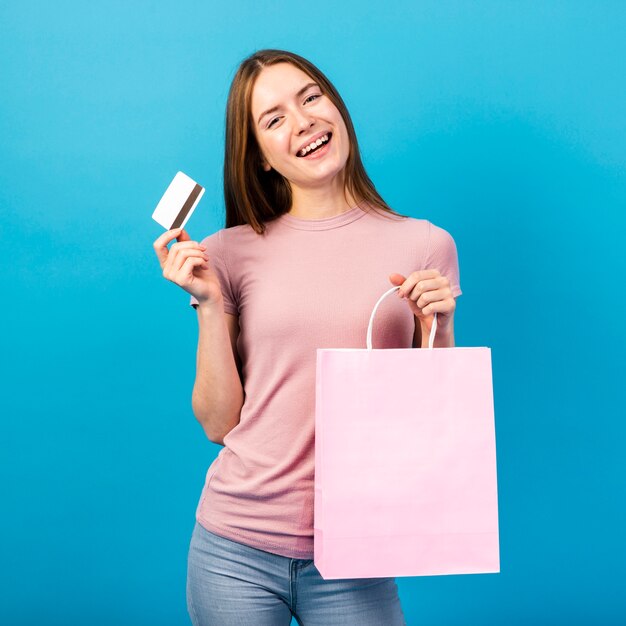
320 202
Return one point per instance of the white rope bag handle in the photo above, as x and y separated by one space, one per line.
433 330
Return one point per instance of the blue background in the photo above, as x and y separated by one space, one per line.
501 122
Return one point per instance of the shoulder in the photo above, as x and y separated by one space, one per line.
400 223
441 250
229 238
431 239
439 237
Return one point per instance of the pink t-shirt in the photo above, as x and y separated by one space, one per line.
304 284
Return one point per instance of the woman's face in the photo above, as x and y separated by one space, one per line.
300 115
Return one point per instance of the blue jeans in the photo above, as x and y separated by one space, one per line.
232 584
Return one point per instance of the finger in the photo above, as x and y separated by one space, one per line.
415 277
431 296
175 250
168 235
396 279
185 273
160 244
184 236
424 285
447 306
178 273
176 260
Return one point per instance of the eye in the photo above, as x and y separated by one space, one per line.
307 99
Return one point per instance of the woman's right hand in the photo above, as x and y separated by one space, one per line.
187 264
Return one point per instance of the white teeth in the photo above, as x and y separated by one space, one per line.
312 145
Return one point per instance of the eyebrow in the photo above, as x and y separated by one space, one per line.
300 92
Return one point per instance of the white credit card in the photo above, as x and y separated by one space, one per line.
178 202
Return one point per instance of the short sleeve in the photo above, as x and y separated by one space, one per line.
442 256
217 262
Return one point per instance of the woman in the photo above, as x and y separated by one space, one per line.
309 247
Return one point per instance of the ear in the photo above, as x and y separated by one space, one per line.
266 166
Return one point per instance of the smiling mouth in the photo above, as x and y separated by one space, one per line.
317 149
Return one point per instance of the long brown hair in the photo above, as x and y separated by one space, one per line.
254 196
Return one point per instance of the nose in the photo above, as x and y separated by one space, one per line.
303 122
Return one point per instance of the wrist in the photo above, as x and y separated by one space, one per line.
210 307
444 334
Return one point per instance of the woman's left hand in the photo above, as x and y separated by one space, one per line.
427 292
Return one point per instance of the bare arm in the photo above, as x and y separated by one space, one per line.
218 394
443 338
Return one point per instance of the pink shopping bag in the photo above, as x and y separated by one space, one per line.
405 482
